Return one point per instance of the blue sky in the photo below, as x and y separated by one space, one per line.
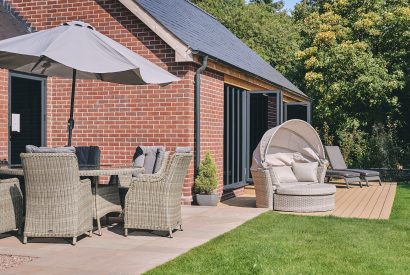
289 4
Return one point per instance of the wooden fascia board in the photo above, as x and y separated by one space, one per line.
239 79
182 52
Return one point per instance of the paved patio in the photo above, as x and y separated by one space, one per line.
112 253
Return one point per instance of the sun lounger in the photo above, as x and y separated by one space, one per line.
338 164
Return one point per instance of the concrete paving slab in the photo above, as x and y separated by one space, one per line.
112 253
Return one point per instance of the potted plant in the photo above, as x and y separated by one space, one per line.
206 182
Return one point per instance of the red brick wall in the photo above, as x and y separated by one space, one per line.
118 117
212 119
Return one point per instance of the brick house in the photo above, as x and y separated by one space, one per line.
240 95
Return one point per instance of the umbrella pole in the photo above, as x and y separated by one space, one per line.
70 122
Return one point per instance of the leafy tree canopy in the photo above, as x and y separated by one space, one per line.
271 34
354 59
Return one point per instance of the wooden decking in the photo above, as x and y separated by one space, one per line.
374 202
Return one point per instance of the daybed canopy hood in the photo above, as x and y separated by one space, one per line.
293 140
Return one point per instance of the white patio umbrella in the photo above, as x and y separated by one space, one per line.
76 50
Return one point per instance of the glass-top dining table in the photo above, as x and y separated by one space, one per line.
84 171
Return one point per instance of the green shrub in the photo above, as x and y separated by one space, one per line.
206 181
326 136
352 142
380 148
383 148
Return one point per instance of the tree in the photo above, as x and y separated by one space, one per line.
271 34
349 64
273 5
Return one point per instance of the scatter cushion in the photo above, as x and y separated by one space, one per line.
139 157
283 174
307 190
306 171
35 149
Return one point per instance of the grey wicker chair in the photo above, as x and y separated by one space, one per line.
154 201
58 203
11 205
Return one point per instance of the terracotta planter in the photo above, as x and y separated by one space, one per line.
208 200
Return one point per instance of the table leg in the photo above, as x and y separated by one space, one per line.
95 183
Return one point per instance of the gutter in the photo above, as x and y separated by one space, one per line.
197 117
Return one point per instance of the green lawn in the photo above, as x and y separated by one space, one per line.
288 244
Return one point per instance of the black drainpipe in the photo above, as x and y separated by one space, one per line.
197 92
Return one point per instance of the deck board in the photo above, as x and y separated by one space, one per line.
354 204
350 197
373 202
378 207
363 203
388 203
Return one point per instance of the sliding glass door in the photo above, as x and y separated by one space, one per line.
235 136
247 117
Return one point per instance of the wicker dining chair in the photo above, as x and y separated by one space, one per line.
11 205
154 201
58 203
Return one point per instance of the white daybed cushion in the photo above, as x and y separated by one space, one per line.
305 171
307 190
284 173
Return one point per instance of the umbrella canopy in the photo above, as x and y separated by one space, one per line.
293 140
76 50
77 45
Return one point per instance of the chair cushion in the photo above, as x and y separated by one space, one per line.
284 173
307 190
149 157
342 173
88 155
160 158
35 149
305 171
183 150
335 157
292 184
365 173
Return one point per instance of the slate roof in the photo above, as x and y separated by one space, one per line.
203 33
10 26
